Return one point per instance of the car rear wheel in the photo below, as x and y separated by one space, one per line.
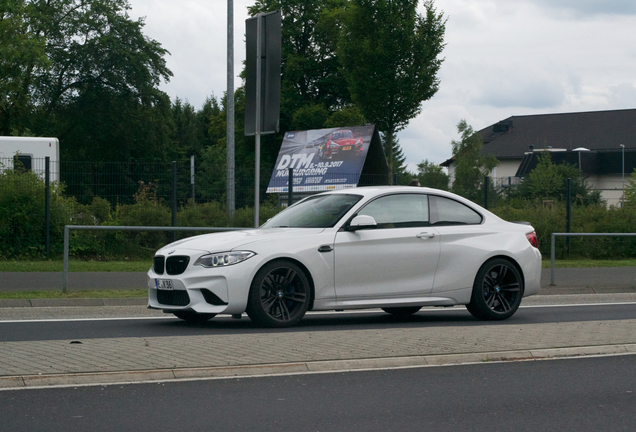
194 317
279 295
402 311
497 291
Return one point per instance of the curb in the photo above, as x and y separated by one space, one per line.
329 366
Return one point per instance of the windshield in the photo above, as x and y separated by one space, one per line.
320 211
342 134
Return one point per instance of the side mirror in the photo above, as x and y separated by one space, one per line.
362 222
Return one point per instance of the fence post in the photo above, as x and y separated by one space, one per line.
47 203
486 187
568 213
174 198
290 187
192 176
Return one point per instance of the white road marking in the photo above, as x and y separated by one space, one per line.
348 312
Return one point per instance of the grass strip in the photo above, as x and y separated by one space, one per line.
75 266
589 263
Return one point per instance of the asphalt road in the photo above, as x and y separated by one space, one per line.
166 325
591 394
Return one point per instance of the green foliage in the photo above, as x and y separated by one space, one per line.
630 191
390 58
83 71
593 219
432 175
471 166
547 181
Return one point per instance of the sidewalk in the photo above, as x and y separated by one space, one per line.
121 360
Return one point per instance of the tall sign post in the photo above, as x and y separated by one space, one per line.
262 85
230 111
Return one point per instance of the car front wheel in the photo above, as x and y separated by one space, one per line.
497 291
279 295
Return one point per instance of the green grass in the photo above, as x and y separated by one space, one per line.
589 263
75 266
31 295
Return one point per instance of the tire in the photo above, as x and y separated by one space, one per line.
321 153
279 295
402 311
497 291
194 317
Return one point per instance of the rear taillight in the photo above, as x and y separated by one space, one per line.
532 238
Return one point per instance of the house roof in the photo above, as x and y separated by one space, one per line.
594 130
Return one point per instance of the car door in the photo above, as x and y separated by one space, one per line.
396 259
464 242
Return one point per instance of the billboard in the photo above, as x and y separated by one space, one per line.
322 159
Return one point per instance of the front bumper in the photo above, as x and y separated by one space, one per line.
200 289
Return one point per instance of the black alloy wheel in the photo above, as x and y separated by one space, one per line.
497 291
402 311
279 295
194 317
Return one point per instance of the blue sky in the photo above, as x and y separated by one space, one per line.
502 58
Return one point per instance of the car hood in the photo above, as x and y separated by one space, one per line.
226 241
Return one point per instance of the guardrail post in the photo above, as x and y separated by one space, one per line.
552 258
65 271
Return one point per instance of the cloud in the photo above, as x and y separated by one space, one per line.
622 96
578 9
525 92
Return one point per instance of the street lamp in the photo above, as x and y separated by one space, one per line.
579 150
623 151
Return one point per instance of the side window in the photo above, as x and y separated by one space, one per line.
446 211
398 211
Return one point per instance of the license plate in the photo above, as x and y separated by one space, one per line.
346 148
164 284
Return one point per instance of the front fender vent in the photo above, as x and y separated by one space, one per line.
212 298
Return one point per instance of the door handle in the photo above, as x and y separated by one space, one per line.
425 235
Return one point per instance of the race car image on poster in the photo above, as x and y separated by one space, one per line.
340 144
322 159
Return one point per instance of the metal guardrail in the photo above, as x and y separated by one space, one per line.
68 228
553 248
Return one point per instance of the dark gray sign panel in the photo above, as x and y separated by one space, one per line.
270 42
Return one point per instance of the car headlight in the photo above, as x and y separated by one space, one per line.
223 259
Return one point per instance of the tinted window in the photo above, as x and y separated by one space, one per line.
398 211
446 211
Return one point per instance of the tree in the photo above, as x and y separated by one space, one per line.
390 59
630 191
548 181
99 92
21 50
432 175
310 82
471 166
